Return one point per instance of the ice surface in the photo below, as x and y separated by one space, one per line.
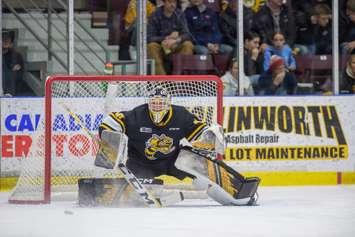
283 211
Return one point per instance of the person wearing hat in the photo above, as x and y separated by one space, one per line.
277 80
12 65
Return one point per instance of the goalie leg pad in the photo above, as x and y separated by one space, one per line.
117 192
223 184
101 192
232 181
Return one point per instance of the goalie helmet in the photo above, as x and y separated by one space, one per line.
159 103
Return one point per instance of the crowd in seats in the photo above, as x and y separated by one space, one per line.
298 32
202 35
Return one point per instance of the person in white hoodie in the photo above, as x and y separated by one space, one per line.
231 82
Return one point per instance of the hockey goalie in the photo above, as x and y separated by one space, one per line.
158 138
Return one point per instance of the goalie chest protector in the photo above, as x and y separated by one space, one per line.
152 144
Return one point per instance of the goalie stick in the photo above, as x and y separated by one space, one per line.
242 187
132 180
212 156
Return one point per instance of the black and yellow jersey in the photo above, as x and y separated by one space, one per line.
153 144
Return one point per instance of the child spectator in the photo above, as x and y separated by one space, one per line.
322 29
277 80
279 48
203 24
347 84
347 29
231 83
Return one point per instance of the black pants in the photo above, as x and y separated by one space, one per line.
141 170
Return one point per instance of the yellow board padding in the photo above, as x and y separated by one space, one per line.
268 178
285 178
348 177
7 183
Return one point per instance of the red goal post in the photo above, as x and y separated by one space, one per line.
63 149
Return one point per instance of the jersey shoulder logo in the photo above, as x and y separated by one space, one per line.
156 143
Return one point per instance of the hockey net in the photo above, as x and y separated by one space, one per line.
65 144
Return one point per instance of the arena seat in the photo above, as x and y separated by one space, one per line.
313 70
193 64
221 63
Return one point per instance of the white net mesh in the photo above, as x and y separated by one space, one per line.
78 105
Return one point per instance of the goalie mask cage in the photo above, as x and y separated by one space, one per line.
64 146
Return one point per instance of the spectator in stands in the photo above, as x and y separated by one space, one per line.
117 33
248 16
12 65
281 49
304 42
347 29
203 24
275 16
167 33
131 16
347 84
277 80
228 23
231 82
253 57
322 29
